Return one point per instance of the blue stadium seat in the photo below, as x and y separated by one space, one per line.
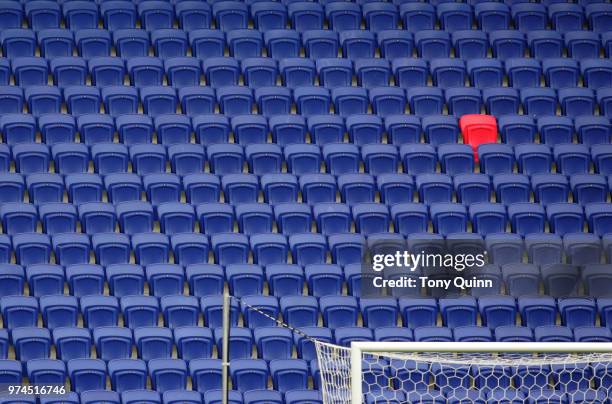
379 312
250 129
285 280
58 218
273 100
350 101
545 44
300 311
131 42
176 218
592 334
561 72
93 43
31 343
12 15
150 248
134 129
565 218
296 72
305 348
496 158
183 71
163 279
230 248
215 217
205 279
332 217
346 248
193 15
526 217
462 100
185 158
120 100
241 340
418 158
289 374
107 71
577 312
240 188
273 343
205 373
269 248
69 71
97 217
111 249
254 218
55 42
193 342
576 101
417 16
100 311
72 343
523 72
343 17
387 101
97 396
597 74
454 17
305 17
11 100
230 15
544 248
110 158
308 248
259 72
83 188
81 100
200 188
592 130
71 248
123 187
169 43
505 248
244 43
257 396
140 311
207 43
145 71
456 159
225 158
153 342
113 342
235 100
589 188
135 217
432 44
533 158
501 101
19 311
5 256
372 72
249 374
604 99
598 216
138 396
439 129
324 129
513 333
45 187
473 188
394 43
323 280
312 101
43 99
553 333
168 374
42 14
339 311
18 217
448 72
470 44
507 44
537 311
472 334
550 188
269 16
410 72
582 44
582 248
282 43
18 42
433 334
492 16
181 396
87 374
200 101
448 218
161 188
180 311
425 100
46 371
118 15
158 100
572 159
566 17
13 281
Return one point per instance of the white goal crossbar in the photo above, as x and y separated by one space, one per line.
545 353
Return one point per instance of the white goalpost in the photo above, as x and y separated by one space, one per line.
439 372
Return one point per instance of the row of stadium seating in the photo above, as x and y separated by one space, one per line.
282 43
233 15
298 311
331 73
122 279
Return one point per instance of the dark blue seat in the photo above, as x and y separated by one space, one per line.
43 99
533 158
55 42
150 248
566 17
186 158
107 71
507 44
572 159
259 72
162 188
193 15
582 44
496 158
269 16
82 100
230 248
394 43
245 43
417 16
501 101
131 42
153 342
13 281
97 396
207 43
305 17
596 73
18 42
206 374
282 43
308 248
113 342
100 311
488 218
550 188
169 43
97 217
297 72
12 15
589 188
31 343
492 16
462 100
176 218
180 311
156 15
343 17
545 44
254 218
432 44
87 374
140 311
447 72
523 72
425 101
455 17
440 129
93 43
249 374
537 311
19 311
592 130
505 248
410 72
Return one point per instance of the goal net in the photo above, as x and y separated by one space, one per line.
465 372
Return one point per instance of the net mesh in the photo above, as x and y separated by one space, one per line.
434 377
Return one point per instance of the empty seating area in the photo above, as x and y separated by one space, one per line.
154 154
